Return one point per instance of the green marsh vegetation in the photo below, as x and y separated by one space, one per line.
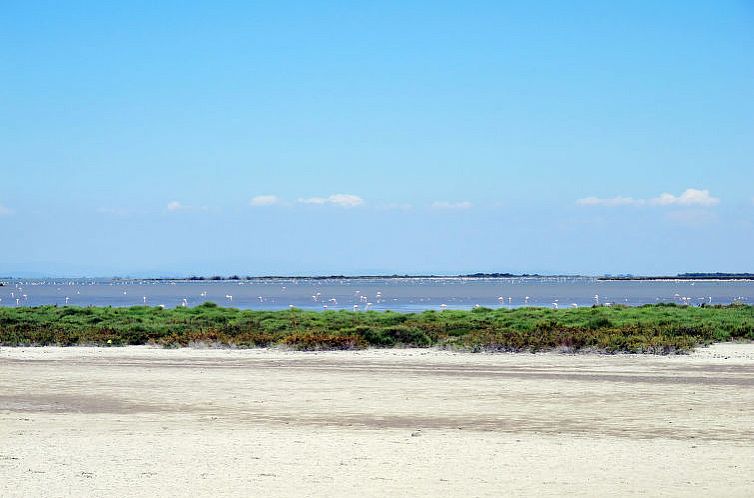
658 329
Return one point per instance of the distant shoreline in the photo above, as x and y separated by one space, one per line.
712 278
682 276
721 277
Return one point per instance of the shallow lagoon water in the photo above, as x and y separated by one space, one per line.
396 294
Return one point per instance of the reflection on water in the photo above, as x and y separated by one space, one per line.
404 294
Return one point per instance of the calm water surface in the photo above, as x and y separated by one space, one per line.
406 295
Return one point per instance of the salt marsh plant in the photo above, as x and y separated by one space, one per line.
646 329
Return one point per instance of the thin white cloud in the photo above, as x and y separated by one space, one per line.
264 200
610 201
340 200
175 206
689 197
452 205
5 210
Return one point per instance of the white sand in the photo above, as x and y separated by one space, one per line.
145 422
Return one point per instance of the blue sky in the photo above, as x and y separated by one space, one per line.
352 137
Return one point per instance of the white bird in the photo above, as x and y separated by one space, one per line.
443 306
555 305
229 297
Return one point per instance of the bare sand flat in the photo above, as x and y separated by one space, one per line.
140 421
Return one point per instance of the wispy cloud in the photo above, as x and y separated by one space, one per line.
264 200
340 200
610 201
5 210
176 206
452 205
689 197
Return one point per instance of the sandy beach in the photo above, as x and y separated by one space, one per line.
140 421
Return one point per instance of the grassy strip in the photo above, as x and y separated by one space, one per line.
659 329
